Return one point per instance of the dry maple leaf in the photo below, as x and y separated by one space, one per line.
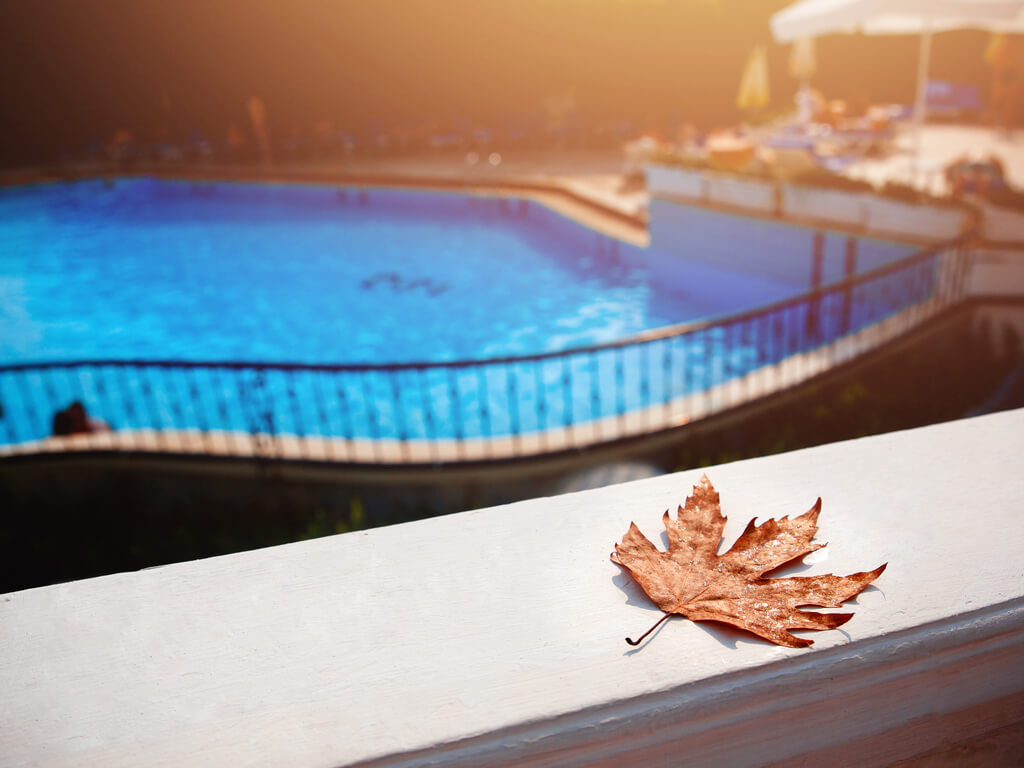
694 581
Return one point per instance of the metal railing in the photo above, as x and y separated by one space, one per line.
479 409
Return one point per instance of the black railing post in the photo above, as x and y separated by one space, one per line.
298 422
400 422
6 412
103 402
512 392
223 385
541 406
567 416
456 411
729 347
709 378
817 272
324 428
482 400
620 386
177 411
50 396
667 384
149 402
267 415
965 258
345 411
33 414
849 270
370 410
645 385
429 429
595 392
199 403
128 409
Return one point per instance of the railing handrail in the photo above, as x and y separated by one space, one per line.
644 337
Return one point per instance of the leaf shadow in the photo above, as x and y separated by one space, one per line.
731 637
634 594
855 600
873 588
792 568
727 636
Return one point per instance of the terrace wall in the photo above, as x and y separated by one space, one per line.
855 212
766 247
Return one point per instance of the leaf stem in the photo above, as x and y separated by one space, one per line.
645 634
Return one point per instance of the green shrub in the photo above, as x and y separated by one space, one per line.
905 193
1007 198
676 160
824 179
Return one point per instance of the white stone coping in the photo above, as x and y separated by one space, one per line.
591 200
862 212
495 637
997 270
1001 225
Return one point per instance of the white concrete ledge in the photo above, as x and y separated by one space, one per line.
495 637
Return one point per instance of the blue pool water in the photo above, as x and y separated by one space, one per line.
145 269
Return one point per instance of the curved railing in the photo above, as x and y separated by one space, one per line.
480 409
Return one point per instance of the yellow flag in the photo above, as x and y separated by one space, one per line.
754 91
994 48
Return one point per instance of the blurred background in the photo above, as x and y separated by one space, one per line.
73 73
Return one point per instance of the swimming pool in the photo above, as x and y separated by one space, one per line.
316 275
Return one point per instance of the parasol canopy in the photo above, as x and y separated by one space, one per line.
808 18
811 18
802 62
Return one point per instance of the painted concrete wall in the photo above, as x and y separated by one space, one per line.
873 214
998 271
495 637
771 249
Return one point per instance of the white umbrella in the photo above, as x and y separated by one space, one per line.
802 66
810 18
802 62
898 17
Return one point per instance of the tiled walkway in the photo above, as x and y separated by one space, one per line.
941 144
